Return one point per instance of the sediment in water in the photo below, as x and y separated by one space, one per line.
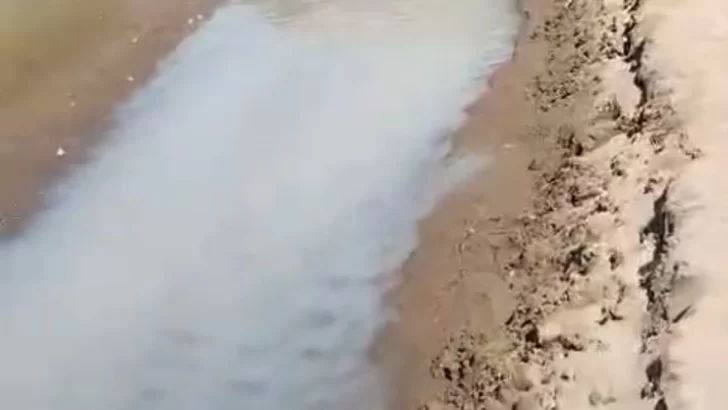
65 66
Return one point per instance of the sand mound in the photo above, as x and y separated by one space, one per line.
604 273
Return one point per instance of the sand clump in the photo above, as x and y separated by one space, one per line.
600 289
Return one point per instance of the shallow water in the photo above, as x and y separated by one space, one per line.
224 249
40 37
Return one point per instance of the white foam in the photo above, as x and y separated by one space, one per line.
221 250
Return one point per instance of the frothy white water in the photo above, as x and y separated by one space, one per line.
222 249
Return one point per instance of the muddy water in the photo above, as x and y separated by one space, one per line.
40 38
225 247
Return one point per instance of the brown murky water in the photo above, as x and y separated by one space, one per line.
42 37
64 65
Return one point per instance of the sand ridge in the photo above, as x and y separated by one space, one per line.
595 267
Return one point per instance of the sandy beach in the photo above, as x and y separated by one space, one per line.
64 67
580 268
601 286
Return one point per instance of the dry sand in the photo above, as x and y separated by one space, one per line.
688 50
603 287
64 66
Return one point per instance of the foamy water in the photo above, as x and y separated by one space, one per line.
223 249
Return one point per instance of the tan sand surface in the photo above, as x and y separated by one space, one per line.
582 269
616 296
690 52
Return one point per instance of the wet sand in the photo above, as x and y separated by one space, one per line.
65 66
454 280
581 278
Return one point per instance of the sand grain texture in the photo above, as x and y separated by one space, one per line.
688 43
614 266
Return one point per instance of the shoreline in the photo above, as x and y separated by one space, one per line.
581 268
454 275
53 120
127 259
574 295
